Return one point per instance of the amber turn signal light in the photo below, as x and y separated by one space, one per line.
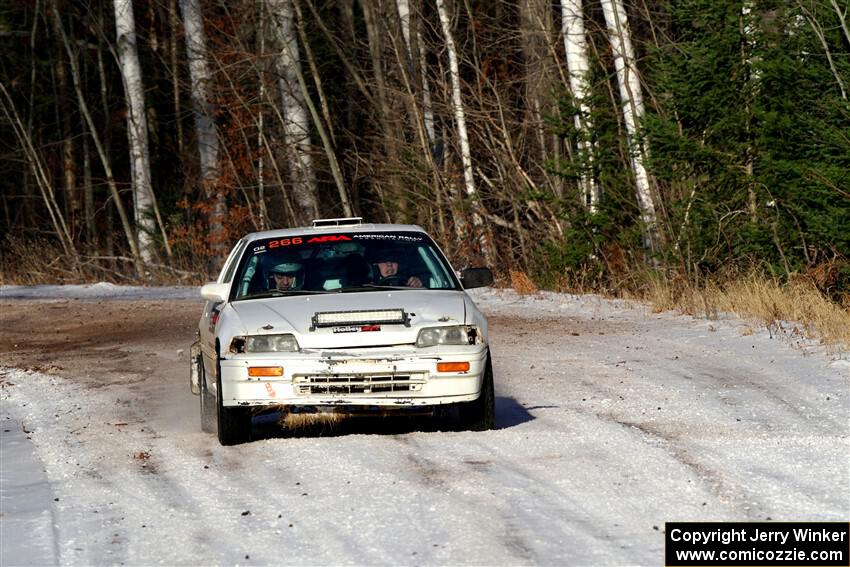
265 371
452 367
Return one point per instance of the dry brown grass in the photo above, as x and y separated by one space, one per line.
32 262
798 304
39 262
522 284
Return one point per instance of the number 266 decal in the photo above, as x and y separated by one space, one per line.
285 242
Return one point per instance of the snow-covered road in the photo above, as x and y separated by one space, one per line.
612 420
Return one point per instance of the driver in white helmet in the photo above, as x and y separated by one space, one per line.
287 276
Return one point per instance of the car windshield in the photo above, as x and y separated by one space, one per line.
340 263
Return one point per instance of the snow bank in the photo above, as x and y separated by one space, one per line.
101 290
25 499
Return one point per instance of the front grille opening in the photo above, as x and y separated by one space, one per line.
358 384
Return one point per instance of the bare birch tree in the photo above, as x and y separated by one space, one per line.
99 146
205 131
575 47
137 127
631 99
417 60
536 32
752 78
463 136
373 18
323 127
296 126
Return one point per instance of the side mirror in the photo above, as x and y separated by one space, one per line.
476 277
215 291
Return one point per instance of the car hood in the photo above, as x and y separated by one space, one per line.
294 315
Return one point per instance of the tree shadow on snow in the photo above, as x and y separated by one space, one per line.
509 413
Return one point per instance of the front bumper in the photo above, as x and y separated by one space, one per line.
386 377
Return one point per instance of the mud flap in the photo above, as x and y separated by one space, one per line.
194 370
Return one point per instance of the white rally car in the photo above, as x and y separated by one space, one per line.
341 317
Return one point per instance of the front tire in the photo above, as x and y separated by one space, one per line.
234 423
480 414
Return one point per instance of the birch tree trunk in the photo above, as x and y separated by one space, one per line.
751 92
205 132
296 126
575 46
322 128
261 162
460 123
536 30
373 18
137 127
416 61
427 106
632 103
412 66
93 131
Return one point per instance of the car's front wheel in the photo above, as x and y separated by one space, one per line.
480 414
234 423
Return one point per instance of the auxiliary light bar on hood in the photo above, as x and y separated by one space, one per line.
372 317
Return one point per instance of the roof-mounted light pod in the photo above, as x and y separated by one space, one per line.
346 221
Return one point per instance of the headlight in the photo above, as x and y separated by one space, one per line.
264 343
455 335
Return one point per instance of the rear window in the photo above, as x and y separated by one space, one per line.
341 262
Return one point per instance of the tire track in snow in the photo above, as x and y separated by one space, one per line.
441 478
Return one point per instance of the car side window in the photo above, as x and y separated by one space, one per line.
252 278
436 273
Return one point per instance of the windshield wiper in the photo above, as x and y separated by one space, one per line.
376 287
283 293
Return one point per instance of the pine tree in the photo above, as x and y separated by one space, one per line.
751 174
